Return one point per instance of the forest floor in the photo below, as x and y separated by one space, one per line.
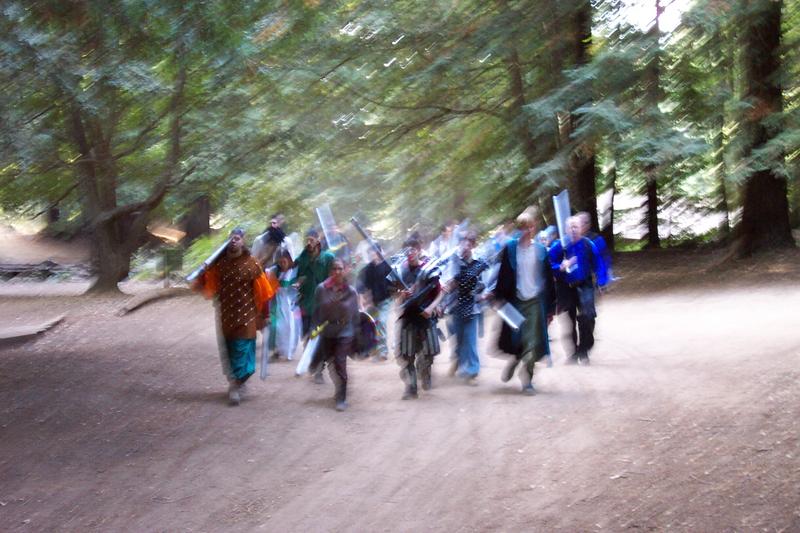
687 419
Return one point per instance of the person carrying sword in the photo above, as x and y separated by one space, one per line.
242 293
418 341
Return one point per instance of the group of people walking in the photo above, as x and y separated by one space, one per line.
445 288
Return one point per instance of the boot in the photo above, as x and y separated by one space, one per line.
508 371
341 397
411 384
234 397
425 373
526 375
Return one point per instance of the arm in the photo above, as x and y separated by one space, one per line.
301 265
264 289
555 255
598 264
486 282
549 288
501 285
428 311
316 316
208 282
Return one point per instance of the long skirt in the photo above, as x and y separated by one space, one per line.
286 325
242 358
534 329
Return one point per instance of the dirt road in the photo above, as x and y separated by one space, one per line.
687 419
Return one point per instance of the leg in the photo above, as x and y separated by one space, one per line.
526 373
338 370
242 353
586 325
467 342
408 373
572 312
424 363
383 332
319 360
533 341
242 356
586 319
406 356
508 371
455 325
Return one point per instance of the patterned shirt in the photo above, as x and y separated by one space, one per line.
237 301
467 278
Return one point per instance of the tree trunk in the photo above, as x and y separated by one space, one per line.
535 150
765 209
581 184
519 122
653 240
608 231
112 261
719 161
105 262
653 99
197 221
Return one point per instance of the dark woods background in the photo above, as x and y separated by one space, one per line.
116 115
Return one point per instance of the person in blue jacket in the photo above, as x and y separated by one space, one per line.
577 268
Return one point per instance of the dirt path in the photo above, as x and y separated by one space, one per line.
18 248
687 419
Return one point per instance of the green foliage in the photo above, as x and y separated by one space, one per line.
406 113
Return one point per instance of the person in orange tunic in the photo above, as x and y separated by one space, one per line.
242 293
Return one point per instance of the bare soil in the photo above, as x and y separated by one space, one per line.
16 247
687 419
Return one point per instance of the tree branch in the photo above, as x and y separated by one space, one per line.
145 205
141 136
335 68
401 107
167 180
57 201
405 129
418 107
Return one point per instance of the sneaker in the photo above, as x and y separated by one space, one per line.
453 368
508 371
427 383
528 390
410 394
243 390
341 406
572 359
233 394
471 381
318 379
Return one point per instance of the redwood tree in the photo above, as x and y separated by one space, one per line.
765 210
